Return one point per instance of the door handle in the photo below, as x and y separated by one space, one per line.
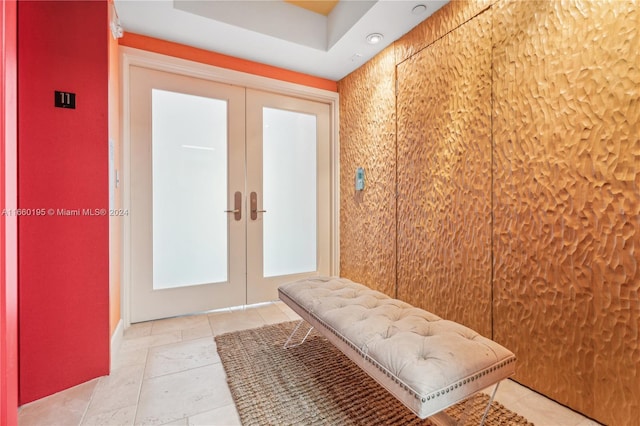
253 200
237 206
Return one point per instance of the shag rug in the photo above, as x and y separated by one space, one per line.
315 384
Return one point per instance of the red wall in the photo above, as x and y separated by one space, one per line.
62 164
8 223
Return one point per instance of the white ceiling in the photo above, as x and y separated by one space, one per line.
277 33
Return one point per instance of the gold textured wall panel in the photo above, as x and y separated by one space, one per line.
444 176
566 134
368 140
563 155
443 21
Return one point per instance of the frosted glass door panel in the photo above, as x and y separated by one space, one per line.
189 162
290 192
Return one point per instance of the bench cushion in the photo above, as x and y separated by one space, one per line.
429 360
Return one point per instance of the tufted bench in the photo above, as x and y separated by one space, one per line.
426 362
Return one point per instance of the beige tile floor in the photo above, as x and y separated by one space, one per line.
167 372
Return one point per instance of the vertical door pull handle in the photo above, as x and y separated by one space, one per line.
237 206
253 200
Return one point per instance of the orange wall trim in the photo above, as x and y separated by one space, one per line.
224 61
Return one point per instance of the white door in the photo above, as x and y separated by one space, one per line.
288 188
218 217
187 165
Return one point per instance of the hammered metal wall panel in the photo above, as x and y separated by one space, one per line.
444 20
444 176
566 128
368 140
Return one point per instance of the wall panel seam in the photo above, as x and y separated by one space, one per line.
492 146
395 250
445 34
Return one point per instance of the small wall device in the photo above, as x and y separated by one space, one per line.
359 179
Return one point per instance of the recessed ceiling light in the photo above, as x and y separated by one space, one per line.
419 9
374 38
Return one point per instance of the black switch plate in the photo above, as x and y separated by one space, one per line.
65 100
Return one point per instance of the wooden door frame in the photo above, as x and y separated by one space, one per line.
135 57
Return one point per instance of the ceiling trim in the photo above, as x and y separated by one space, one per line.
207 57
272 18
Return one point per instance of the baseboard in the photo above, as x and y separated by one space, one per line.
116 340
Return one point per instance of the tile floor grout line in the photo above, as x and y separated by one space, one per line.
181 371
146 361
86 408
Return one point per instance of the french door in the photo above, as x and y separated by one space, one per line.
288 163
229 193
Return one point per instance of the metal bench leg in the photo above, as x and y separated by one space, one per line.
486 411
287 345
443 419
